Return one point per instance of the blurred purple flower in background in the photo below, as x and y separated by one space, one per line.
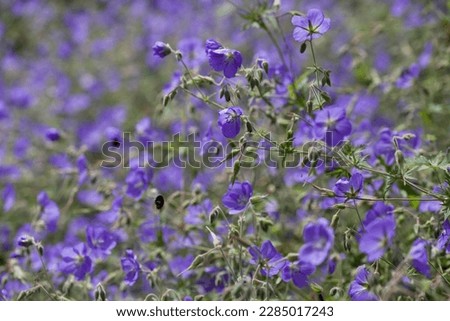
49 211
137 182
332 125
83 170
408 75
8 197
52 134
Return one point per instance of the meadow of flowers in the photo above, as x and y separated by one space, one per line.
224 150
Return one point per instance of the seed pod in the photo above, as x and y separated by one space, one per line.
303 47
159 202
335 220
325 96
249 127
214 214
399 158
259 75
236 169
265 66
166 100
40 249
309 106
336 292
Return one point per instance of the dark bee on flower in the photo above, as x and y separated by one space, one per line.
159 202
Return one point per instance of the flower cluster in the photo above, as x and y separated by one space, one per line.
303 157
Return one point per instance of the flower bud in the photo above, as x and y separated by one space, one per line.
303 48
100 293
316 288
336 292
25 241
335 220
214 214
309 106
161 49
257 199
178 56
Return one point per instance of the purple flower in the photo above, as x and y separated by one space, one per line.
237 197
348 187
76 261
385 147
226 60
230 121
83 170
419 257
443 242
408 75
197 214
406 78
212 44
180 264
52 134
319 239
358 290
299 273
268 257
110 216
379 210
90 197
377 237
213 279
8 197
161 49
191 49
100 240
137 182
311 26
49 211
332 125
25 241
148 231
131 267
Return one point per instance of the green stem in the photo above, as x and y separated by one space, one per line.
192 79
228 264
359 216
241 228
